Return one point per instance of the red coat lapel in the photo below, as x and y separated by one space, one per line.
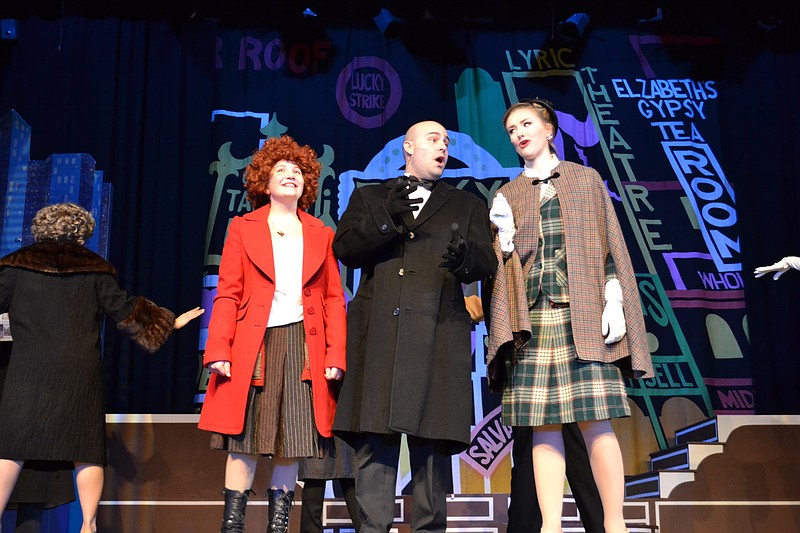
257 241
314 245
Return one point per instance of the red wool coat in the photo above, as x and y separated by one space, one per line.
241 310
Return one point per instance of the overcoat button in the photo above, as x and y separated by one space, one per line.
307 291
312 331
411 235
310 310
396 311
384 227
401 272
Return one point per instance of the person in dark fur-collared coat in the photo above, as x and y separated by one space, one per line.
57 292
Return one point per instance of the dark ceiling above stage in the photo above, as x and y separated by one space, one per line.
495 14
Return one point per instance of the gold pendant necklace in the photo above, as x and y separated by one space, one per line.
279 231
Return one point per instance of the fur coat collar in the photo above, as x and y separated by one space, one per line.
58 257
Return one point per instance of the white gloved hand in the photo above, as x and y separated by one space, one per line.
501 216
780 267
613 314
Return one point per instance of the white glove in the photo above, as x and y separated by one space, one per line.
501 216
780 267
613 314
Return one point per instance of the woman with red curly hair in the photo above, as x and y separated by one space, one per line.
276 340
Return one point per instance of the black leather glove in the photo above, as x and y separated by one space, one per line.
455 251
397 202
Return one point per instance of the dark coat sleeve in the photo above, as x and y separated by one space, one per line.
147 324
7 279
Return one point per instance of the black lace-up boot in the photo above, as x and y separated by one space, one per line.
280 505
233 515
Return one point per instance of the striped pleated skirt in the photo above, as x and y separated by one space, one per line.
279 420
546 383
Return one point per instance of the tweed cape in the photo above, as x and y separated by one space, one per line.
591 231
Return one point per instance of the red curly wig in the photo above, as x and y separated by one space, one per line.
256 175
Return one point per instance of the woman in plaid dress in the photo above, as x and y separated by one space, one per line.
564 314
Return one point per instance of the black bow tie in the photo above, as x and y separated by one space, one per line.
537 181
427 184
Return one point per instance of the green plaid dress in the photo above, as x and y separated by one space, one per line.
546 383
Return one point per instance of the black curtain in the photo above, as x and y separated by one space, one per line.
134 94
761 112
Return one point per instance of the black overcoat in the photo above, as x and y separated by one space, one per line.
408 331
56 294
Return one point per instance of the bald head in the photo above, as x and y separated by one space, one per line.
425 149
423 127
